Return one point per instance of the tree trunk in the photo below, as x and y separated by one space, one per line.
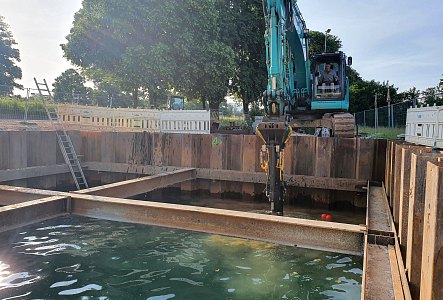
135 98
246 114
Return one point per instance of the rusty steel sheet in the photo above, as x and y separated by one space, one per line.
128 188
336 237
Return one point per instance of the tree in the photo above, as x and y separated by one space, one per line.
154 45
243 30
317 42
9 57
434 95
70 87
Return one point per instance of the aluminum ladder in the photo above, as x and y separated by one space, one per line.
64 141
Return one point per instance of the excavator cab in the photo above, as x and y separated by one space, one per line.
329 84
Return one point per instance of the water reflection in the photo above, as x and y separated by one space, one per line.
72 257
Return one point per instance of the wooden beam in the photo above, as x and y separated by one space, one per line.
128 188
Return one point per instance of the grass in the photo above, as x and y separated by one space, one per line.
381 132
226 121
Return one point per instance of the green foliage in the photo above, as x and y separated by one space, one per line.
317 42
153 45
9 57
14 106
243 30
69 86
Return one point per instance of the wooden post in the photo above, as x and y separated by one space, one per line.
388 169
432 258
395 202
415 219
405 180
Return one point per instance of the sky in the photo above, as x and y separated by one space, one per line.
396 40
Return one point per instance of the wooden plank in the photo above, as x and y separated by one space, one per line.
176 155
143 149
158 149
417 190
397 183
431 286
345 153
405 181
304 155
289 152
323 160
387 178
365 159
396 281
380 166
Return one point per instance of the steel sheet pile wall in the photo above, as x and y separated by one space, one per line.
316 158
361 159
32 152
414 184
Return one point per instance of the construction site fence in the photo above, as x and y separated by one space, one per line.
391 116
152 120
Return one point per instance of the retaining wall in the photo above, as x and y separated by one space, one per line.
361 159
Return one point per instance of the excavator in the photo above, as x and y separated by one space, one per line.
303 91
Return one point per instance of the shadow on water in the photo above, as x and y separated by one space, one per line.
303 210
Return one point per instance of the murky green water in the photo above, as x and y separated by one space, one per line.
355 216
83 258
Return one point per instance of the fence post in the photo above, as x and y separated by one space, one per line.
392 116
28 90
364 118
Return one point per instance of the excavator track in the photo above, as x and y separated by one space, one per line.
343 125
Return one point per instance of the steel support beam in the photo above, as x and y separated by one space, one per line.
22 214
327 183
128 188
10 195
342 238
31 172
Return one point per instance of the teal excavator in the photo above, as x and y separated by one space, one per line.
303 91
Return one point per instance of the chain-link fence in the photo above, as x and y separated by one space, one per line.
391 116
22 109
389 121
